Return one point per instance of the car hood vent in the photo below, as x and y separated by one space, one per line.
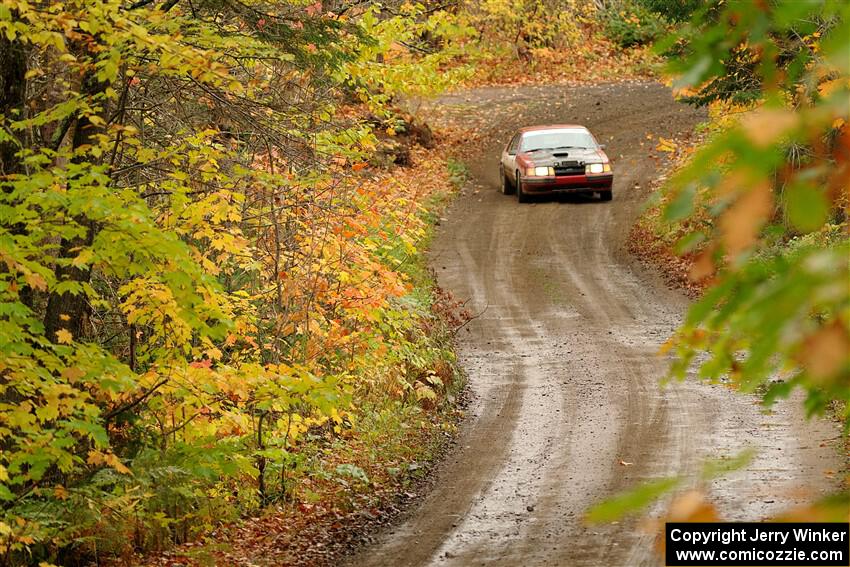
551 157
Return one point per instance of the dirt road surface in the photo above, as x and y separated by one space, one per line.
562 361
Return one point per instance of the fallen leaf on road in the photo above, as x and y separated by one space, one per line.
665 145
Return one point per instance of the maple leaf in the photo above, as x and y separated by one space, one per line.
113 461
36 281
64 336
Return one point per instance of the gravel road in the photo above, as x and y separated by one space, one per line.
562 361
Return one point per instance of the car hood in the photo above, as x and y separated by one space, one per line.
552 157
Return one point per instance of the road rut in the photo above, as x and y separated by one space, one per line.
562 360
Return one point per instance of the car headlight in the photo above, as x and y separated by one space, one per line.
540 171
597 168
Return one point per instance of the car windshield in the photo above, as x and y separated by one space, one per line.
550 139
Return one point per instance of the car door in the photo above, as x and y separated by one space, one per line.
509 158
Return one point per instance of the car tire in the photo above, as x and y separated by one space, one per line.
521 195
506 188
606 195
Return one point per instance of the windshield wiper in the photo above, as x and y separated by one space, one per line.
557 148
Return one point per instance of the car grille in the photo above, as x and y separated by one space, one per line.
569 168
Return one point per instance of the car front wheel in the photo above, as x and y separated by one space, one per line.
521 195
606 195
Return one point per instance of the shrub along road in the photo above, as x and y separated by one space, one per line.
562 361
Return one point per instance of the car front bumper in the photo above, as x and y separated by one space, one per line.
567 183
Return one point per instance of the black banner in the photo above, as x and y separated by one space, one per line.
758 544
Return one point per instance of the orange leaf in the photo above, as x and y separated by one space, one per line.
826 351
703 266
764 127
691 506
113 461
741 223
35 281
60 492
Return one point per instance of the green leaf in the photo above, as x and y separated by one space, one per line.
631 501
682 205
806 206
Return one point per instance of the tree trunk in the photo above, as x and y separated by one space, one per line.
13 68
13 87
66 310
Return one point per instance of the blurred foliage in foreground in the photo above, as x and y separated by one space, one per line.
761 211
773 192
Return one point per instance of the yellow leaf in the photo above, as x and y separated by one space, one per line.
72 374
665 145
837 123
666 347
64 336
83 258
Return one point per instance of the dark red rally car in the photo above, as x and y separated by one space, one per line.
542 160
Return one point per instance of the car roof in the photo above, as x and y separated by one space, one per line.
552 127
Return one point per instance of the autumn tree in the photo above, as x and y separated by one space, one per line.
193 274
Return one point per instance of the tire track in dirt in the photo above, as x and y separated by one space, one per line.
562 361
